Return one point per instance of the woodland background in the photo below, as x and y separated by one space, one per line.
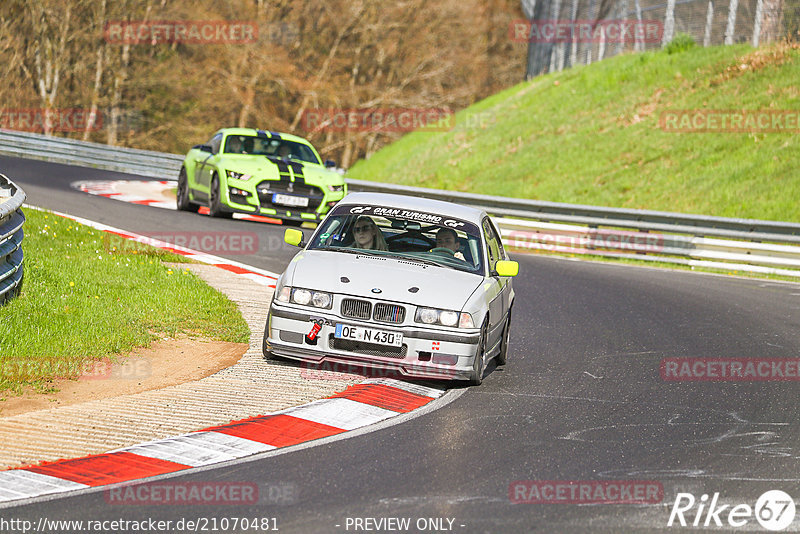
335 54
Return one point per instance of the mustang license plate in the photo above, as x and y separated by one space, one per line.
289 200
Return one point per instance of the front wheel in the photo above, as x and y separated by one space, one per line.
215 202
182 195
476 377
502 357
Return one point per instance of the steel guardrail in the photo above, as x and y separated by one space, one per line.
701 240
11 236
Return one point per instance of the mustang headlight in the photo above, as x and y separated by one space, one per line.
444 317
306 297
336 188
238 175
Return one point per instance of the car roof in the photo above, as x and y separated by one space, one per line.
254 131
439 207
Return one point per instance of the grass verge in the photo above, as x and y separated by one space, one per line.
82 300
592 135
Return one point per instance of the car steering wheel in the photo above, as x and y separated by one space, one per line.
444 251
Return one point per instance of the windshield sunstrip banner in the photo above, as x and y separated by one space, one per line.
408 215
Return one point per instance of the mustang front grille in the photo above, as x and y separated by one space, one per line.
368 349
268 188
357 309
389 313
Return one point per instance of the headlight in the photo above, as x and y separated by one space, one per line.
448 318
238 175
427 315
321 300
301 296
306 297
444 317
335 188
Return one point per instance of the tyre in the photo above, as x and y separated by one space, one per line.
182 195
502 357
476 377
215 202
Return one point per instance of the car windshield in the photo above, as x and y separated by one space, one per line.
424 237
264 146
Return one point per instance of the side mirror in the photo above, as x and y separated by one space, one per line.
294 237
203 148
330 164
506 268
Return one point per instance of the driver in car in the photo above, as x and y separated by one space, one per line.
447 238
234 145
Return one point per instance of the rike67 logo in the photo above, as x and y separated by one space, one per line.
774 510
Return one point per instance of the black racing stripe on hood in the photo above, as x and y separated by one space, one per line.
283 169
297 168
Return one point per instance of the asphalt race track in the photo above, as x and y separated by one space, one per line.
581 399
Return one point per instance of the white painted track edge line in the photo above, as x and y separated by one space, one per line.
436 404
105 227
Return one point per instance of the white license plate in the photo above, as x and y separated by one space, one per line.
289 200
369 335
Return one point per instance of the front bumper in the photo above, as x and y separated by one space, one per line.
426 353
254 204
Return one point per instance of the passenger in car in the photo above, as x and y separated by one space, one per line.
367 235
447 238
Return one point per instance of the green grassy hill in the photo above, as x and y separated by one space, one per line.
591 135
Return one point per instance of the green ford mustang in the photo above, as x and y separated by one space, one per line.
261 173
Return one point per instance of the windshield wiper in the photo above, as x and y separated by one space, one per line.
413 258
348 250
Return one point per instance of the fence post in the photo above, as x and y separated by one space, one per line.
593 22
757 22
732 7
669 22
556 14
638 45
709 19
623 18
573 51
